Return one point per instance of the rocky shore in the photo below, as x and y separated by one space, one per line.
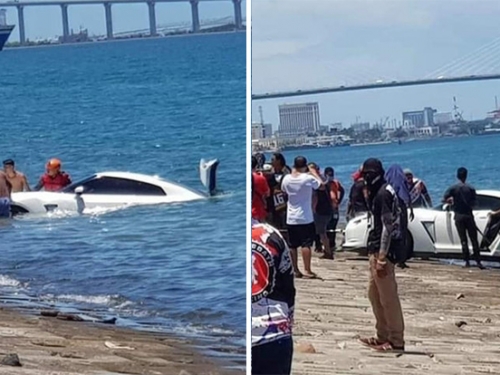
59 344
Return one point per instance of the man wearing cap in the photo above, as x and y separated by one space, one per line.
418 191
382 250
299 187
16 179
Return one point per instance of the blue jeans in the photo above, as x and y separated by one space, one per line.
274 358
4 207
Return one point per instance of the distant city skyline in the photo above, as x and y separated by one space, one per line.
474 100
318 43
45 22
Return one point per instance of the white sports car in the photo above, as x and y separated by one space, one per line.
114 190
433 231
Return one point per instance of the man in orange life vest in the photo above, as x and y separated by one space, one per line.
53 179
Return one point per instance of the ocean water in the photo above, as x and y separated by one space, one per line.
151 106
435 161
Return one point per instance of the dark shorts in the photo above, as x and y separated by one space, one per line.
301 235
321 223
4 207
274 358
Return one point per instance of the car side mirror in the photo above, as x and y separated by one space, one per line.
79 190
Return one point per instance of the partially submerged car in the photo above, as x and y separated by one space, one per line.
433 230
115 190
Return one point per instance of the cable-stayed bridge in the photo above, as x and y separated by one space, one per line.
483 64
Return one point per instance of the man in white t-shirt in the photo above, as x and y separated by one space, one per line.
299 186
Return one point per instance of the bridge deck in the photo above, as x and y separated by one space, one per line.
331 312
369 86
87 2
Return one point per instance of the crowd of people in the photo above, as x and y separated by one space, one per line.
13 181
294 207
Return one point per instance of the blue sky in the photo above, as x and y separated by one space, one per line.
46 22
299 44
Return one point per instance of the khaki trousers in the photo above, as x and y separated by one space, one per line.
383 296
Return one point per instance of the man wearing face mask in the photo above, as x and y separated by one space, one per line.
385 244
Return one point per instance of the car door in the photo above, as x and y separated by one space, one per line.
447 240
484 205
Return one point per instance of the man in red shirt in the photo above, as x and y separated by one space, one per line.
260 192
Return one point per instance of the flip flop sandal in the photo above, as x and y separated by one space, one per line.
298 275
310 276
371 341
388 347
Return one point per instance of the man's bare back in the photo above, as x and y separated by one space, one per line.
4 186
18 182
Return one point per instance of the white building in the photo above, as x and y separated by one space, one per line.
261 131
360 127
427 131
419 119
298 119
443 118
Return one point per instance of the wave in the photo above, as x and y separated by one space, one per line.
9 281
113 301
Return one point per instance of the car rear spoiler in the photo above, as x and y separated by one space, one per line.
208 175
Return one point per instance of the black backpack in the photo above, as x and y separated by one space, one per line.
398 251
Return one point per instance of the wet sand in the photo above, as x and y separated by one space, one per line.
436 298
49 346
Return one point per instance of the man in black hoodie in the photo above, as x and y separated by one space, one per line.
384 245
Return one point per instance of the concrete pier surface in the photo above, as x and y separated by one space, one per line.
437 299
49 346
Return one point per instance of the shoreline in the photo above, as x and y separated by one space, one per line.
121 40
451 315
225 349
48 346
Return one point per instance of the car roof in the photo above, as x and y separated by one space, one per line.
155 180
491 193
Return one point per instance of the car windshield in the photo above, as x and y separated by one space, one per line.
483 203
71 188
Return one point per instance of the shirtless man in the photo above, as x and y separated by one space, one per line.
5 190
17 179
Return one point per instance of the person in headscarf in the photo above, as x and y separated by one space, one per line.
396 177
